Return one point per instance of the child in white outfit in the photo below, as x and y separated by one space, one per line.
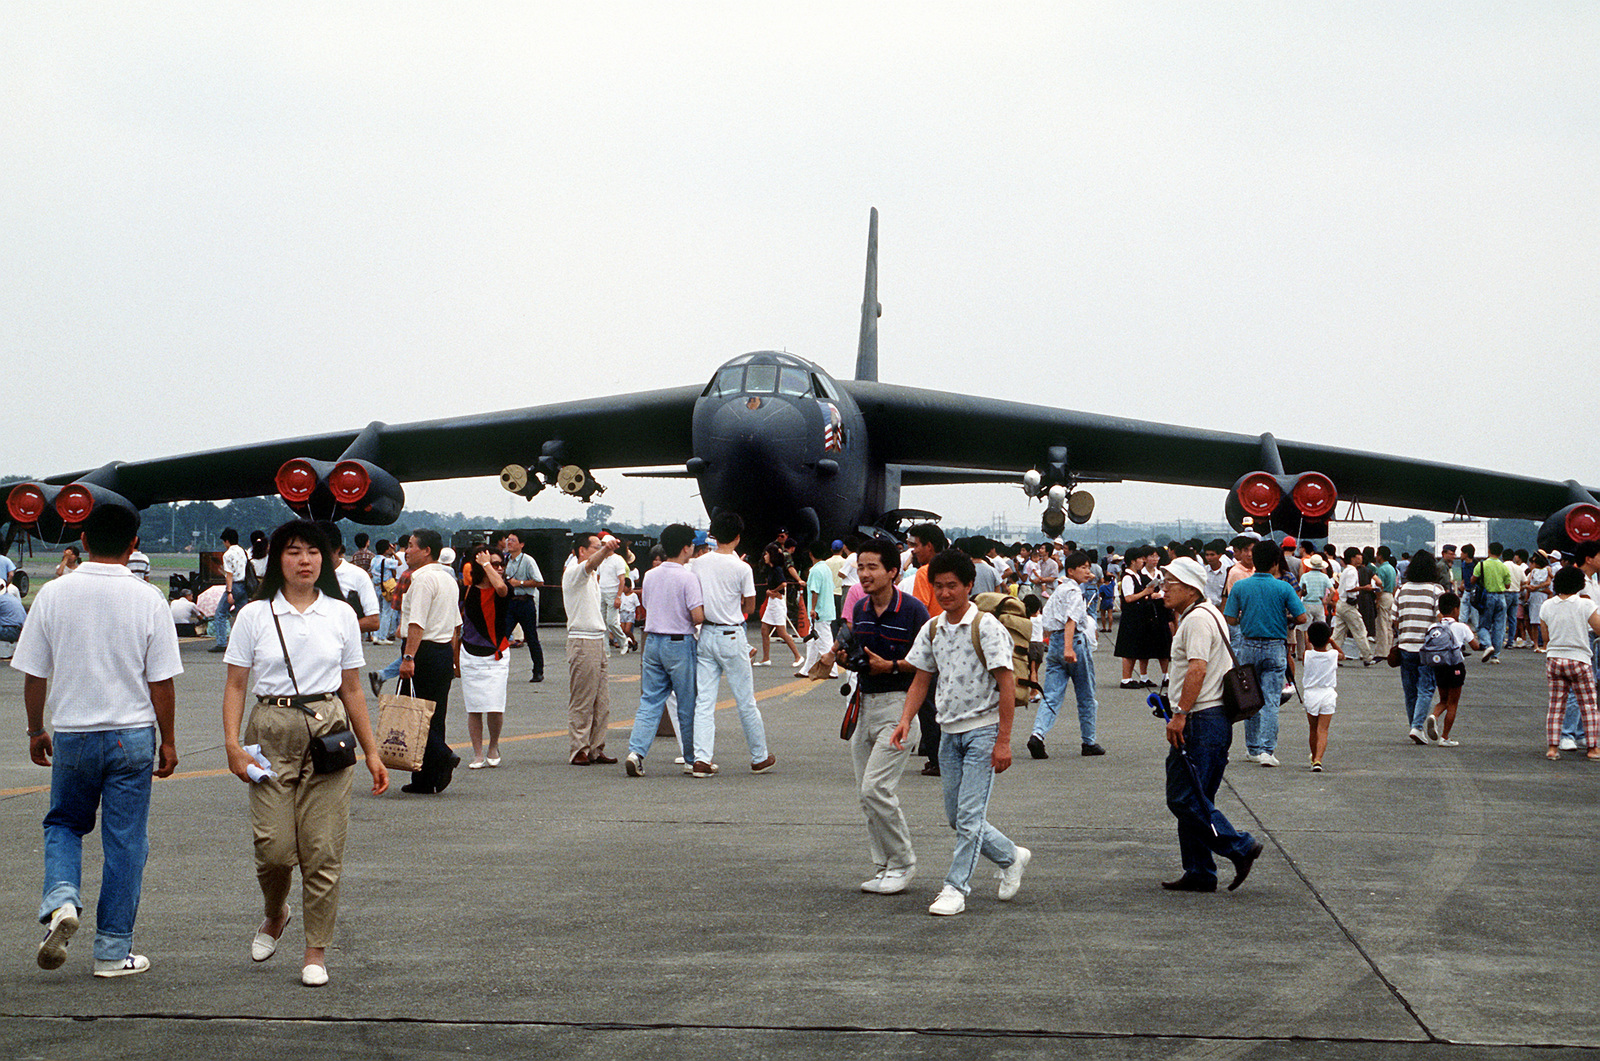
1320 681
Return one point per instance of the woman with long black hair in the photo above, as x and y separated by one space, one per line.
300 638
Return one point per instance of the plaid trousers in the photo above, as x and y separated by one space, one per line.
1579 676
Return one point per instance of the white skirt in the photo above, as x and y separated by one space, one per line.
776 612
483 681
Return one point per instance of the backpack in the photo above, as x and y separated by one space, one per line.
1439 648
1014 617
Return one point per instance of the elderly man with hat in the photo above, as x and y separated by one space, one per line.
1200 731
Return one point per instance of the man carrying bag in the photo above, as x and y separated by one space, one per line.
1200 730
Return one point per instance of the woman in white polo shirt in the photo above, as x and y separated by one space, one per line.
301 640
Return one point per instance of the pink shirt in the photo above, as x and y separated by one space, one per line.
669 593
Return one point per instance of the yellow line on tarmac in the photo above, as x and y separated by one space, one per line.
788 690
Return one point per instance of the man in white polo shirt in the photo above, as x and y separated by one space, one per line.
354 583
588 698
100 651
430 616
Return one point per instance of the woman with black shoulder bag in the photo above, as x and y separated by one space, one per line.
301 640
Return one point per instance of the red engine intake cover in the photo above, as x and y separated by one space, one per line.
1314 495
296 481
26 503
1583 524
349 482
1259 494
74 503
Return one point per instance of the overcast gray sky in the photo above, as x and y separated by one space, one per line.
226 223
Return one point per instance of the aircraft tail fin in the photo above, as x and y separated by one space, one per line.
871 309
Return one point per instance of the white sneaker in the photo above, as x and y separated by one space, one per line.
890 881
634 765
1568 744
1446 742
1268 759
1252 758
53 948
1417 736
949 902
1011 876
133 963
1430 729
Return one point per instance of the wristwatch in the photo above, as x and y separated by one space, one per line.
408 658
32 733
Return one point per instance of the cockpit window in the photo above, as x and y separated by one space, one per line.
824 388
761 379
795 382
724 384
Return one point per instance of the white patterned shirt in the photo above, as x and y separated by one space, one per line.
967 697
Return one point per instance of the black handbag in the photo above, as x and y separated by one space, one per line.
330 752
1242 698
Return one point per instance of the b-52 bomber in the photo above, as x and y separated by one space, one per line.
777 439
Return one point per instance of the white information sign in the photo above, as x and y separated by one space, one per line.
1361 533
1459 532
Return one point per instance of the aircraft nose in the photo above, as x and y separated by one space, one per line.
770 426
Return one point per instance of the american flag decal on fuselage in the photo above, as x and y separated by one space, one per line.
832 428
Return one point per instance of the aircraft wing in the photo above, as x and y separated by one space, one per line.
912 426
620 431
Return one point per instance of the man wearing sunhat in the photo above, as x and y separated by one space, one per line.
1201 732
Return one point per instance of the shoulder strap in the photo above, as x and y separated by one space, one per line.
1223 629
285 646
977 646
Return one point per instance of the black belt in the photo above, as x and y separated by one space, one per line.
299 703
295 701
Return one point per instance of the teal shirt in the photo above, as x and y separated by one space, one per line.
1264 604
1386 575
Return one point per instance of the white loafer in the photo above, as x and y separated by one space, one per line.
265 946
314 976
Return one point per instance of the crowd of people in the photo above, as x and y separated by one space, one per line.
915 626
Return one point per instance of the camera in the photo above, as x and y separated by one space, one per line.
855 654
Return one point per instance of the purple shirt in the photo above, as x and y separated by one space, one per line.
669 593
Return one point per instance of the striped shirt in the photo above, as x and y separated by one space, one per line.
1415 605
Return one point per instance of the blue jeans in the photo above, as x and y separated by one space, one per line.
1513 600
222 622
388 618
1056 673
669 667
1416 679
392 671
1272 661
1206 735
724 651
1492 624
111 770
967 773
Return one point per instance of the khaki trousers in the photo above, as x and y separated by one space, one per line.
299 818
588 696
1384 624
1347 621
878 766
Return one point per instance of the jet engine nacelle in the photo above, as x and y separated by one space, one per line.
1571 527
1295 504
350 489
56 513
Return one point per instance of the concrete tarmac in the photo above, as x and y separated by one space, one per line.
1412 901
